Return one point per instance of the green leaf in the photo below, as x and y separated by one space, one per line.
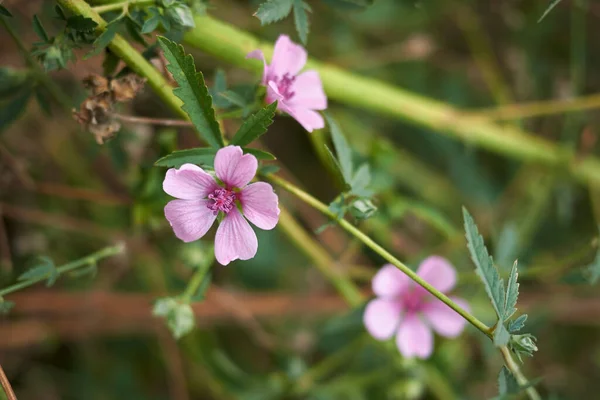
201 292
11 110
517 324
5 305
150 25
181 14
301 19
507 384
501 335
484 265
255 126
39 29
268 169
81 24
179 316
12 80
192 90
512 293
361 180
234 98
259 154
201 156
342 149
336 168
363 209
43 269
4 11
42 100
273 10
105 38
60 14
550 8
91 269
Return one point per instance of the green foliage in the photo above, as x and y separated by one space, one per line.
171 15
301 19
260 154
484 265
255 126
507 384
523 345
517 324
11 109
179 316
273 11
44 268
5 306
4 11
342 149
192 90
39 29
512 293
553 4
204 156
104 39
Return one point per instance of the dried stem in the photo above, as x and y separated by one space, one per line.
152 121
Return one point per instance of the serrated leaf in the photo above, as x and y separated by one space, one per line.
81 24
192 90
39 29
301 19
512 293
273 10
501 335
517 324
484 265
202 156
105 38
550 8
43 269
342 149
507 384
4 11
259 154
255 126
179 316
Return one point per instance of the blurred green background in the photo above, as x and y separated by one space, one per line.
272 327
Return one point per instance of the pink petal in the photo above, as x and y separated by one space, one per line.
381 318
309 119
190 219
390 282
414 338
235 239
260 205
443 319
288 57
308 92
258 55
273 94
438 272
234 167
189 182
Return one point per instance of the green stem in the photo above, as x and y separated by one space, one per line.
40 74
122 5
307 198
516 371
231 44
82 262
195 282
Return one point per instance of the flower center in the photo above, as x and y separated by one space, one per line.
284 85
223 200
412 303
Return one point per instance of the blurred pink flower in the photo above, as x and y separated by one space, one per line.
406 309
297 95
200 198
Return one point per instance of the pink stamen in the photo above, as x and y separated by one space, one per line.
224 200
284 85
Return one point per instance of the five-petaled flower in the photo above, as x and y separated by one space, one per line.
201 198
298 95
408 310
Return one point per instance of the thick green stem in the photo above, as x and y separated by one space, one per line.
307 198
231 44
82 262
121 5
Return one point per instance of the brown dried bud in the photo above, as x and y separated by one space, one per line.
95 113
96 84
127 87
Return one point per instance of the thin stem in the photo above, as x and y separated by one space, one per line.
82 262
195 283
516 371
152 121
10 394
121 5
307 198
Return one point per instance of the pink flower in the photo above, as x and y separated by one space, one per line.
201 198
406 309
297 95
